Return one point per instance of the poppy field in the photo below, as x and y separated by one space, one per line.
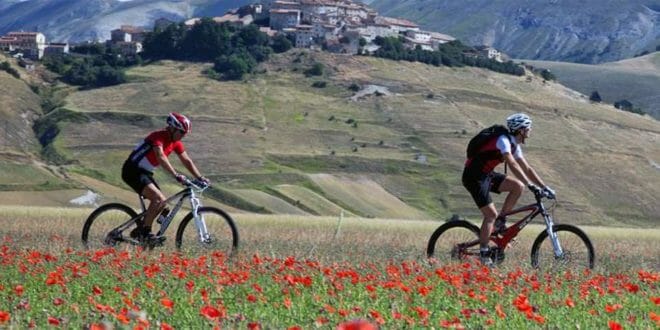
302 273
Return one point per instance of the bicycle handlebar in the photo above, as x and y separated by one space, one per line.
196 184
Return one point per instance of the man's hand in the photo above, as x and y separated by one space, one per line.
549 192
534 188
203 181
180 178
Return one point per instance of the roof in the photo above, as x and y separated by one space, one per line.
395 21
442 36
285 11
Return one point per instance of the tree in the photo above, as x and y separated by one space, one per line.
315 70
623 105
547 75
281 43
595 97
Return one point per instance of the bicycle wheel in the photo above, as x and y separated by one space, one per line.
97 233
578 252
222 232
446 242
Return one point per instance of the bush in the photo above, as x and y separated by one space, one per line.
547 75
5 66
595 97
281 44
315 70
354 87
319 84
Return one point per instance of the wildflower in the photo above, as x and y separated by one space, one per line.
614 325
167 303
4 316
612 308
357 325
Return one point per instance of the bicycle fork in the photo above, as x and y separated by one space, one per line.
559 253
203 232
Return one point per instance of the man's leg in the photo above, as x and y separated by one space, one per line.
515 188
156 205
490 213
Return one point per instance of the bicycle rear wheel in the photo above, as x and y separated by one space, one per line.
220 227
446 243
578 252
98 229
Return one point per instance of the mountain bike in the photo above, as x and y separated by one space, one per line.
559 246
203 227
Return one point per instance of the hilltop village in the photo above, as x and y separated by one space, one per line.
338 26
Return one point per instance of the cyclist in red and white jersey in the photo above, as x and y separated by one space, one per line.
480 177
153 151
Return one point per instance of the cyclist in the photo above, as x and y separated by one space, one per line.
153 151
480 177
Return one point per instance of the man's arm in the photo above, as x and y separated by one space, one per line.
516 168
530 172
162 159
188 163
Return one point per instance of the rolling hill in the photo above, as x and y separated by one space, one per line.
591 31
635 80
266 140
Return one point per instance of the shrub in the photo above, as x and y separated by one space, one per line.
547 75
6 67
354 87
595 97
315 70
319 84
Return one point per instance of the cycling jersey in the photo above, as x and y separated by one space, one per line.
492 154
144 156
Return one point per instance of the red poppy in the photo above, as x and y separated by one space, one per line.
4 316
165 326
614 325
569 302
96 290
210 312
167 303
612 308
357 325
655 300
53 321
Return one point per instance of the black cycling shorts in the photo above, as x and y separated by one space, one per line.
480 185
137 177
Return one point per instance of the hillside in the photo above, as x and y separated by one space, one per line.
82 20
635 80
268 140
589 31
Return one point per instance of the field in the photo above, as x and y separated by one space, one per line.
301 272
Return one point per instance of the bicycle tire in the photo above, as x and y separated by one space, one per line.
99 237
585 255
446 241
220 231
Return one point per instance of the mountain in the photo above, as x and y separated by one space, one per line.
394 149
80 20
636 80
590 31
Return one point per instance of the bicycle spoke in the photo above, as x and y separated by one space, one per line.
448 242
99 229
577 251
219 235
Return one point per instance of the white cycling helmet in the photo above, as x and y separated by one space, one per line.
179 121
518 121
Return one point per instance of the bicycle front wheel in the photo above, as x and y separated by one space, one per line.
213 230
577 250
98 229
453 240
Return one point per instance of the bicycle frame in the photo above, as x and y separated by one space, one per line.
510 233
195 204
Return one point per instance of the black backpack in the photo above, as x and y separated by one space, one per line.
479 140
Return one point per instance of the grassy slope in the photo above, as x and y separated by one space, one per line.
274 129
635 80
